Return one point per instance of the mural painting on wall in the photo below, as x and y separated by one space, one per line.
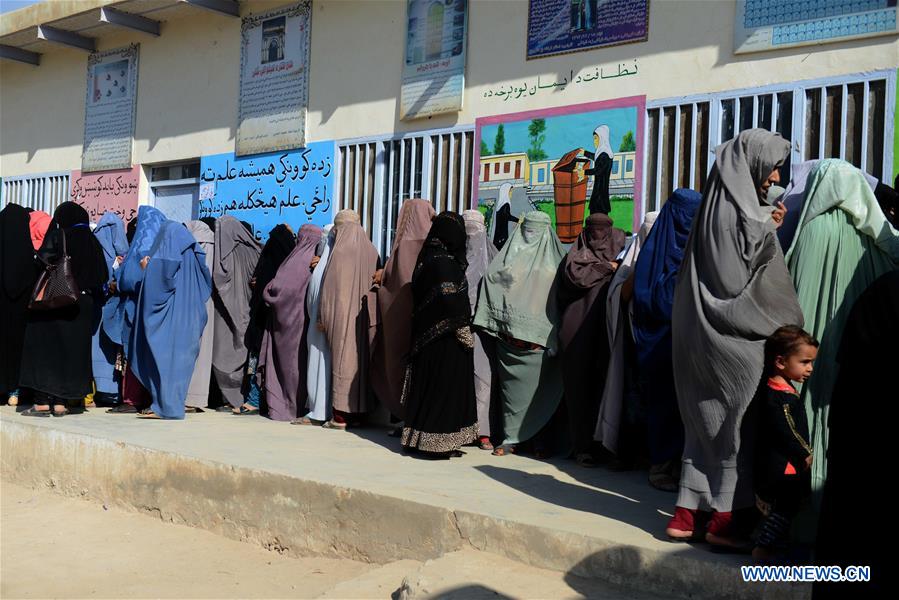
765 25
563 161
434 67
294 187
115 191
561 26
109 109
274 80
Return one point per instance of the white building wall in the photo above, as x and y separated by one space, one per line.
189 76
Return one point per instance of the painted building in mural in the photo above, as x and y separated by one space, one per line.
263 110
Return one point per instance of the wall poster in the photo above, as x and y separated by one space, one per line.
294 187
765 25
434 67
115 191
557 160
274 80
562 26
109 109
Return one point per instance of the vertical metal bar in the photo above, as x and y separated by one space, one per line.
427 154
797 126
412 191
378 210
390 188
736 116
366 201
865 101
694 136
656 202
460 202
676 158
441 142
755 110
822 120
402 188
357 201
345 201
451 172
844 108
774 108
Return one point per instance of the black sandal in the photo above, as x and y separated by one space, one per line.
33 412
123 409
243 410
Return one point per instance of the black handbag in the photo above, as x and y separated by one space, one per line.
55 287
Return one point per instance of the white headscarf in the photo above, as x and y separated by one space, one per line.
603 146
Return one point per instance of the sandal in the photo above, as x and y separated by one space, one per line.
245 410
332 424
129 409
148 414
484 443
307 421
586 460
504 450
33 412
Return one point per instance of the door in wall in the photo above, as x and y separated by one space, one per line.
178 202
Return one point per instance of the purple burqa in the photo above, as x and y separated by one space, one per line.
282 359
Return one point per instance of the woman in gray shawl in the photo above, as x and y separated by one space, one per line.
198 392
478 254
237 253
732 292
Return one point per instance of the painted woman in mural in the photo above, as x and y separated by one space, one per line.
502 216
601 171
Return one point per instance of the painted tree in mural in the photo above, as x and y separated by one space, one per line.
536 133
485 150
627 143
499 145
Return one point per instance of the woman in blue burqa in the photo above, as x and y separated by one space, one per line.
110 232
120 312
170 317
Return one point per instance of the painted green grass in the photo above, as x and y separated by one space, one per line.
622 212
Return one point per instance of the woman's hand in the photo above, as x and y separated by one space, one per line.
376 278
780 211
314 262
144 262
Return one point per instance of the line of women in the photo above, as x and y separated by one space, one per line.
645 352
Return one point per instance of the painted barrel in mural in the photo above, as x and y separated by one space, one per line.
570 195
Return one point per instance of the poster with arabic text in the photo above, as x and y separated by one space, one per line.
563 26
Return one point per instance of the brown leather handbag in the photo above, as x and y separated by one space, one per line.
55 287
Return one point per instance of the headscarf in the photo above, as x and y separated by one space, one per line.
131 230
619 321
282 359
210 222
394 304
352 262
477 252
318 372
110 232
236 254
119 312
793 199
518 295
279 245
17 276
843 243
82 247
198 391
603 146
17 269
888 199
39 221
171 317
656 273
503 198
439 284
586 270
733 291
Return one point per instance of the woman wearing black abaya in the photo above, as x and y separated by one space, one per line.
439 398
586 273
280 244
861 422
56 356
17 277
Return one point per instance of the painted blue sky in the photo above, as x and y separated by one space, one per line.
11 5
564 133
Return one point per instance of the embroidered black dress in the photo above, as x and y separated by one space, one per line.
439 395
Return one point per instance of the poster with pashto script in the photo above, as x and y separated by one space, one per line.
434 67
109 109
274 80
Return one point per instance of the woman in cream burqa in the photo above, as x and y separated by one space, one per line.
237 253
352 261
732 293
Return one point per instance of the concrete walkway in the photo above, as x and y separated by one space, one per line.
310 491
